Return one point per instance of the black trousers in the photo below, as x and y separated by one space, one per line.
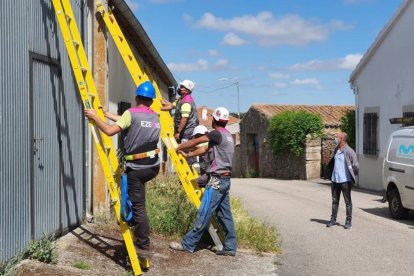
336 189
136 193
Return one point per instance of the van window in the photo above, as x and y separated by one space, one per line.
401 150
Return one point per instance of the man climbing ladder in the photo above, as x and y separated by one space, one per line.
141 155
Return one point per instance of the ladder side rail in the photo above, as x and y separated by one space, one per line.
86 71
103 156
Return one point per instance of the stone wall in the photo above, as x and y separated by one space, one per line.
258 159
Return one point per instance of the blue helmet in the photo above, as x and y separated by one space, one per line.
146 89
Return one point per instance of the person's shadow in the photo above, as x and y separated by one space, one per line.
322 221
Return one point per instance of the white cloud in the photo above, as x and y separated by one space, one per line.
222 62
232 39
279 84
350 61
187 18
213 53
200 65
312 81
346 63
278 76
223 65
267 30
260 68
133 5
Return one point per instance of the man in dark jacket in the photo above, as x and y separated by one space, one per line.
343 169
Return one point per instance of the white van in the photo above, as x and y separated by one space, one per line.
398 172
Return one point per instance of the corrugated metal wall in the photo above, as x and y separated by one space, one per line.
42 127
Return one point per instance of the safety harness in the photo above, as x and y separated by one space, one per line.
126 204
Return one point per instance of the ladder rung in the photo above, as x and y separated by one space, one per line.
84 69
76 43
106 147
68 17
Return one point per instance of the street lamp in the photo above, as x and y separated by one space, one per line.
236 83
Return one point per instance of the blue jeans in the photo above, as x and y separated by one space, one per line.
218 204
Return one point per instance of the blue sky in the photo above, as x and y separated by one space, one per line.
280 51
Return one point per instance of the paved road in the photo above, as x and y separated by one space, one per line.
376 245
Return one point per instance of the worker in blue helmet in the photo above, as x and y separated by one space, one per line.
141 154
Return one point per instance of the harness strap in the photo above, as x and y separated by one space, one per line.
150 154
205 203
126 204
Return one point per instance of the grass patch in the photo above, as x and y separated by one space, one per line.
171 215
253 233
7 267
81 265
43 250
169 211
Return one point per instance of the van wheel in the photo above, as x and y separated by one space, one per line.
396 208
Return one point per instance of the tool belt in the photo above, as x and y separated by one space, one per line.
137 156
225 174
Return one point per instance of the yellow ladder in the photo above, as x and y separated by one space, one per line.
103 143
186 175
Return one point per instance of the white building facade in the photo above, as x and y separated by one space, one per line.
383 84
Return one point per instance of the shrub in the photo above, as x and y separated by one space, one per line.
348 126
289 130
250 173
42 250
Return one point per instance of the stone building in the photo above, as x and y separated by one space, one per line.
257 158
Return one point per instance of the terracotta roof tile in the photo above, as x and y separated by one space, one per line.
331 114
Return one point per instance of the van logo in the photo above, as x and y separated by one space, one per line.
406 152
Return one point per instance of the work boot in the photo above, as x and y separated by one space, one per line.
331 223
143 253
176 246
225 253
348 223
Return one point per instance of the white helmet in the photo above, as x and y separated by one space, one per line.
221 114
188 84
200 129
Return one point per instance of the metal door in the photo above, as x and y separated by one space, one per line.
45 92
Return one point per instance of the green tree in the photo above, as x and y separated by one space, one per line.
288 130
348 126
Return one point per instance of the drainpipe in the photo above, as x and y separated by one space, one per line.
356 90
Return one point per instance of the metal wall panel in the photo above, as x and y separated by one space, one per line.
30 27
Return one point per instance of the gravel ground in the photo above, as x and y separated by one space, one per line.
102 249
